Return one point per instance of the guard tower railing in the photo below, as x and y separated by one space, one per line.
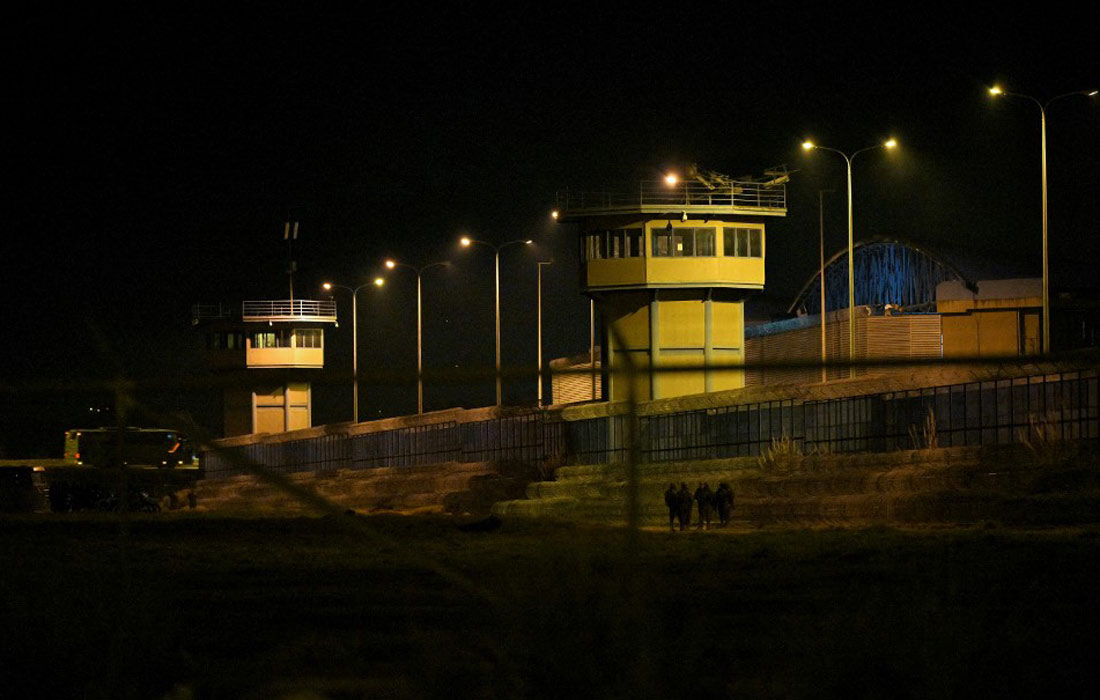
289 310
657 197
323 311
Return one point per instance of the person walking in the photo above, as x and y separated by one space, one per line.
704 497
672 501
723 501
684 499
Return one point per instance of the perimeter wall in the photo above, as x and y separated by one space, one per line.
950 405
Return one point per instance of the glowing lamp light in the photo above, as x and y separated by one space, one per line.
465 241
996 90
892 143
808 146
528 242
327 286
390 264
554 215
671 179
378 281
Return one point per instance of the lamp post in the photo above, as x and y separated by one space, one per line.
809 146
592 346
540 265
328 287
997 91
466 243
394 264
821 221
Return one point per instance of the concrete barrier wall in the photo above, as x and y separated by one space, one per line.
966 485
457 488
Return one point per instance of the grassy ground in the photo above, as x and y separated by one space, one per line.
412 607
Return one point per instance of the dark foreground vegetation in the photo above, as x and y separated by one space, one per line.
348 607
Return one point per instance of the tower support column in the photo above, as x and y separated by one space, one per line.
654 346
708 342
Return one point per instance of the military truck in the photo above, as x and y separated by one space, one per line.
103 469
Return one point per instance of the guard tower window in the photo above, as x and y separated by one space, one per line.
307 338
742 242
271 339
614 243
683 242
225 341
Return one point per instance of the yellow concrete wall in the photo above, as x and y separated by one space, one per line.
299 418
709 271
631 324
269 406
615 272
1032 334
960 336
681 383
963 305
632 327
617 390
285 357
681 330
983 334
728 322
998 333
237 412
269 419
721 380
681 324
298 396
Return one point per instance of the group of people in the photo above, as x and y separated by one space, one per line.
680 502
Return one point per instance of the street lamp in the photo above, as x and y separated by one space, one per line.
466 242
392 265
328 287
997 91
540 265
821 221
810 146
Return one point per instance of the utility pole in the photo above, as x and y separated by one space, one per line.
821 217
290 236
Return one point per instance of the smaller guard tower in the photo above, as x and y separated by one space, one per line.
669 264
268 350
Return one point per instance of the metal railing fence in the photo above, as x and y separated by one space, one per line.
687 195
289 308
536 437
1057 406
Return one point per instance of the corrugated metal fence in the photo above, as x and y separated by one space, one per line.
1025 409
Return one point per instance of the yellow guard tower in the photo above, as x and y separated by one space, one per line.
269 348
669 266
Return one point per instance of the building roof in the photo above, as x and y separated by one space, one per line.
1017 288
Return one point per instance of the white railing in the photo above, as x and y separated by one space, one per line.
301 309
205 312
654 196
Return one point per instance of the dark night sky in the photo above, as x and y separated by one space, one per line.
153 156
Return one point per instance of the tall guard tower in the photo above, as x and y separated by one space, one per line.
669 265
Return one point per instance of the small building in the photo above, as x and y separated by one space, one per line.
912 303
1000 318
267 351
669 264
789 351
576 379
